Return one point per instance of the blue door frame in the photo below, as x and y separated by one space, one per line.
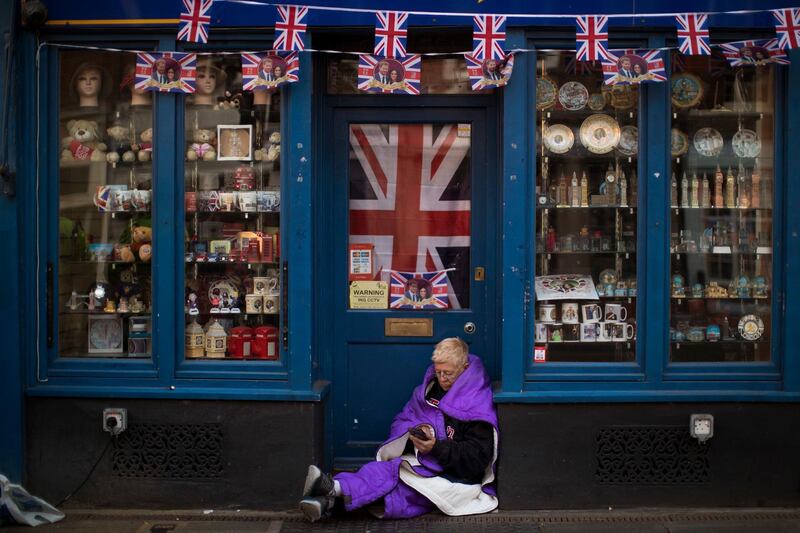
373 375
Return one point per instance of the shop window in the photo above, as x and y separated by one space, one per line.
105 185
232 215
586 214
722 190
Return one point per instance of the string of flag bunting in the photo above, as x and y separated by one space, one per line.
390 69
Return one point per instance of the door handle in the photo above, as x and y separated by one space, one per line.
469 328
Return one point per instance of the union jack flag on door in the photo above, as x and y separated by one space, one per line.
693 35
591 38
632 67
488 36
290 29
169 72
754 53
410 197
787 26
390 34
194 21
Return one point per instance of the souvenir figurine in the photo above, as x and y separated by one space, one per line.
695 198
760 287
562 192
706 189
718 179
623 191
714 290
707 239
743 200
755 187
621 290
611 185
584 190
634 194
235 301
729 193
678 336
678 290
697 290
575 191
743 287
191 304
684 191
673 191
696 334
713 333
83 142
632 288
123 305
215 299
135 305
110 306
727 333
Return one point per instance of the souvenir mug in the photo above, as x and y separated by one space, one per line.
623 331
591 313
569 313
547 313
248 201
555 333
616 313
572 332
541 332
589 331
227 201
605 332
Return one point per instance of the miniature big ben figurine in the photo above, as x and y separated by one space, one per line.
575 199
673 191
634 188
743 200
718 179
695 191
584 190
684 191
611 185
623 191
562 192
755 189
706 201
729 187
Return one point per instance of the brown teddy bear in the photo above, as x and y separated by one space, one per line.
202 146
144 149
83 142
119 147
141 237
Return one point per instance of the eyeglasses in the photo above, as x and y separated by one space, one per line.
446 374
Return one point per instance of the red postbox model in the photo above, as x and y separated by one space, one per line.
240 342
265 344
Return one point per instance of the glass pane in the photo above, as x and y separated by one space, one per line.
722 198
105 189
232 209
585 214
410 192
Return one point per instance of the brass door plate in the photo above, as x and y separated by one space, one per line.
480 273
408 327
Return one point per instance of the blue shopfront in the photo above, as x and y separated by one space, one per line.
621 258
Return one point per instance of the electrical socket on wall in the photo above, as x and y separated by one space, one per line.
115 420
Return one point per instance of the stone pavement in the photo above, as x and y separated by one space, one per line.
658 520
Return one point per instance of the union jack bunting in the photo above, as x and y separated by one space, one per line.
488 36
290 29
269 71
410 198
168 72
418 290
591 38
390 34
693 36
632 67
787 27
389 76
194 21
754 53
581 68
490 73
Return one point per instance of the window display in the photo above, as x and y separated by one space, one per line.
105 190
232 209
586 216
721 198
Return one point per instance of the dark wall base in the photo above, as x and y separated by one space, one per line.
599 455
176 454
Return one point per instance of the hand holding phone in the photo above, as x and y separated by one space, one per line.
418 432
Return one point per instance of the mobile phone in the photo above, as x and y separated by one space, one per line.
418 432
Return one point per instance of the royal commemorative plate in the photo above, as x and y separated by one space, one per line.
621 96
600 134
746 143
708 142
558 138
687 90
546 92
573 95
628 141
597 102
751 327
680 143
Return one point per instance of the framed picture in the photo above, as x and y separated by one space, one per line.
105 334
235 142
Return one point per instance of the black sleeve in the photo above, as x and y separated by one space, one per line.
467 458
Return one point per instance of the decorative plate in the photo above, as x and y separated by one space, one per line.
559 138
223 285
751 327
608 275
597 101
545 93
573 95
621 96
628 140
708 142
600 133
680 143
746 143
687 90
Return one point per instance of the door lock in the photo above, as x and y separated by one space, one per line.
469 328
480 274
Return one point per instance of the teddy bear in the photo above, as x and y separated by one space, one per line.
119 145
83 142
229 101
140 245
123 253
270 152
202 146
144 149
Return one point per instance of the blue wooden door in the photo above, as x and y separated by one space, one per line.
418 185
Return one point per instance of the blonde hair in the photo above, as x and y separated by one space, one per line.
452 350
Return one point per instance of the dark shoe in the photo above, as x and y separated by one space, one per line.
318 483
316 508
